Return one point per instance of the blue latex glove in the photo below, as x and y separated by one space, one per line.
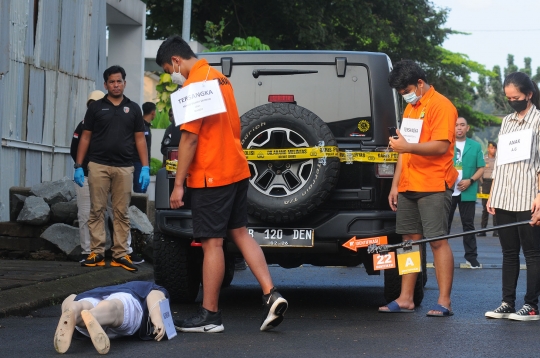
144 178
78 177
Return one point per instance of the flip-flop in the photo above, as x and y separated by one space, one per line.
445 311
393 307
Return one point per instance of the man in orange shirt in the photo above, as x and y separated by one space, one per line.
210 156
424 174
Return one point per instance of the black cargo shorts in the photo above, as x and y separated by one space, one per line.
218 209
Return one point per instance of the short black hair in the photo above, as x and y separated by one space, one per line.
148 107
492 143
405 73
173 46
112 70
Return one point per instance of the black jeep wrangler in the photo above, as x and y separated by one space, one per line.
315 132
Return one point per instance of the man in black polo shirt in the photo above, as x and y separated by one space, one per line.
149 113
111 126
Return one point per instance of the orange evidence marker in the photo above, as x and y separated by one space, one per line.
354 244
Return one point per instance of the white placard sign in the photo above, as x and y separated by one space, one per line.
167 318
514 147
411 129
197 100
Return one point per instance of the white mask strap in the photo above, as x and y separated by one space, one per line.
207 73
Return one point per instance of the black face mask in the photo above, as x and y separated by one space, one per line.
519 106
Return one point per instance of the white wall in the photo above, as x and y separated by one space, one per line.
157 136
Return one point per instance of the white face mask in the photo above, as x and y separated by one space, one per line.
176 77
411 97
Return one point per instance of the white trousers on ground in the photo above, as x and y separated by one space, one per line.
133 314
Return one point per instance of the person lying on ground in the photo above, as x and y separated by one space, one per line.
110 312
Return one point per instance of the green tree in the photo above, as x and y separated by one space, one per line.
511 67
527 69
164 89
403 29
450 74
492 90
400 28
214 32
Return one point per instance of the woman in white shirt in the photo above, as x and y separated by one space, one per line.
515 195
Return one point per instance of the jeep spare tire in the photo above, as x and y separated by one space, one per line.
282 191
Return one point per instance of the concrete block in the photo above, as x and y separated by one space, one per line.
65 237
34 212
26 244
64 212
15 195
53 192
139 221
12 229
140 201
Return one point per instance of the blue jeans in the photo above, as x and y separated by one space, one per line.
136 173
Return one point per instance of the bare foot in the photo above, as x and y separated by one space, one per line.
64 331
402 305
97 334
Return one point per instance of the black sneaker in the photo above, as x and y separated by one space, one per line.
526 313
473 264
495 234
83 257
136 259
203 322
93 260
481 234
274 306
124 262
503 311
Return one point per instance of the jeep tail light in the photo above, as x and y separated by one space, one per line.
173 154
385 170
281 98
172 161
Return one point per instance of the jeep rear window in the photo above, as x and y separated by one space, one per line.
342 102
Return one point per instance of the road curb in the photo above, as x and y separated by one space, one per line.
20 301
482 266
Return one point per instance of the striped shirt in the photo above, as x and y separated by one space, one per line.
515 185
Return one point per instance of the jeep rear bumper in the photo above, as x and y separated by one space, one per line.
333 229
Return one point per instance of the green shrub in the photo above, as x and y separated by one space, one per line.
164 89
155 165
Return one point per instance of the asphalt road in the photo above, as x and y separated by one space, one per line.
332 312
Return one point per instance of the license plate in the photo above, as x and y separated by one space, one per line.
283 237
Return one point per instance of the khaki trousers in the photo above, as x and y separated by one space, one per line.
83 213
102 180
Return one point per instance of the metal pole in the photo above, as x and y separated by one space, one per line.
186 21
374 249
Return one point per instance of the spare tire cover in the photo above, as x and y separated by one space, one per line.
286 190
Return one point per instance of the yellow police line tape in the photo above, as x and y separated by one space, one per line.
320 152
347 156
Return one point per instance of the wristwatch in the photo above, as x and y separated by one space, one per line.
77 165
472 181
